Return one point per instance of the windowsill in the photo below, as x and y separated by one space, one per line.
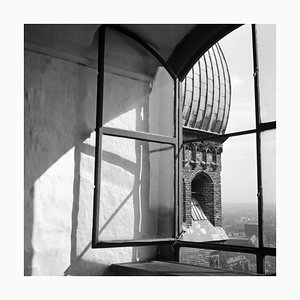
170 268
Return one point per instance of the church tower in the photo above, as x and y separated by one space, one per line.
206 94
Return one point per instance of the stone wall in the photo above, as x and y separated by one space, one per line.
203 160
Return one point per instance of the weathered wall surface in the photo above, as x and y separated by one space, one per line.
199 159
137 191
60 102
136 198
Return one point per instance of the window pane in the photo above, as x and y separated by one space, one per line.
196 68
189 85
137 190
270 264
233 261
239 191
138 91
266 51
268 161
196 81
220 199
237 50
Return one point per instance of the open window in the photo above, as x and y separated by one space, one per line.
137 144
170 149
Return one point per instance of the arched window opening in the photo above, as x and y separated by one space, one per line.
229 106
203 194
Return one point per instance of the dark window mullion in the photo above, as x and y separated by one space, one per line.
211 136
138 135
267 126
184 95
99 122
260 257
261 127
178 157
134 243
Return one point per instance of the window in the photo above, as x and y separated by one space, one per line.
137 144
233 184
161 165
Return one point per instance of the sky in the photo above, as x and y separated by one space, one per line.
238 176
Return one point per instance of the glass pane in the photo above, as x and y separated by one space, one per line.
227 83
266 51
270 264
236 54
268 161
233 261
220 200
137 190
189 84
196 68
138 91
239 190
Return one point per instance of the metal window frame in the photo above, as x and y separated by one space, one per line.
261 251
100 130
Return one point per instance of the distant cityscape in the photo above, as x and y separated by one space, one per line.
240 222
235 216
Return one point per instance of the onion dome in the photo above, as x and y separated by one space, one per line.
206 93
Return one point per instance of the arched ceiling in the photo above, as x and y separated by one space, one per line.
179 44
163 38
195 44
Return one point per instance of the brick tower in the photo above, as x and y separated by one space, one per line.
206 93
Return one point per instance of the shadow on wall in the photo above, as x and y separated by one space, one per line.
79 263
124 209
59 109
60 113
79 266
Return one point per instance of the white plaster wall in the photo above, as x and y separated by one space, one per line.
136 199
162 104
57 118
136 184
60 101
161 120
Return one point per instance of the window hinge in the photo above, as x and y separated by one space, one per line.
178 239
259 193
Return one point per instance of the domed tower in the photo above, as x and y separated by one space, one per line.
206 94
